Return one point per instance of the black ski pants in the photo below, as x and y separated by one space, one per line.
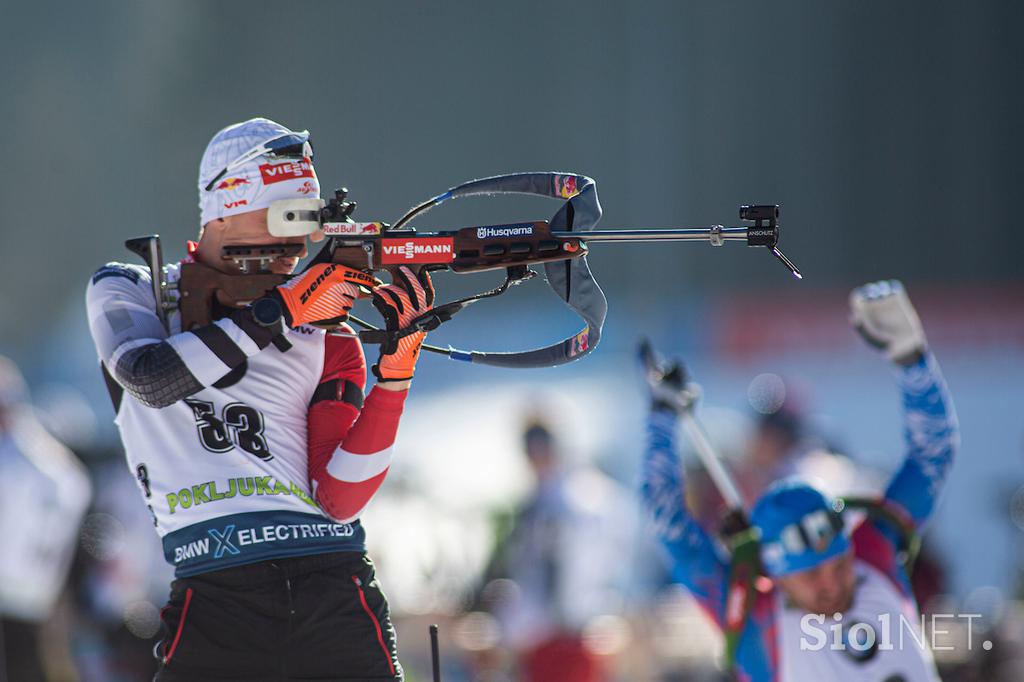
320 617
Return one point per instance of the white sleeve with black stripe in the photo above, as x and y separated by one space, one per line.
158 368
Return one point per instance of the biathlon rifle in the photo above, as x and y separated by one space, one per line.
559 244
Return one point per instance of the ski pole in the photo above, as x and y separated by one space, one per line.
435 653
684 396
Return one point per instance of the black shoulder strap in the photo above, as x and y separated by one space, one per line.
338 390
114 389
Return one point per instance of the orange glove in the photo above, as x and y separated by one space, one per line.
323 294
408 297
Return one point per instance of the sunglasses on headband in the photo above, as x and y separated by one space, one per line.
292 145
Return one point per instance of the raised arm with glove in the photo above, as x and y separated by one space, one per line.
882 314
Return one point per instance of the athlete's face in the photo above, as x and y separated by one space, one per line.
244 229
826 588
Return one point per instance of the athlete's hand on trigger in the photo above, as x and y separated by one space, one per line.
324 293
406 298
883 314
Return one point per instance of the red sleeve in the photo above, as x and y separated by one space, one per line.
349 448
330 420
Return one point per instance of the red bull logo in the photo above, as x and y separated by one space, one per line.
232 183
580 343
565 185
335 229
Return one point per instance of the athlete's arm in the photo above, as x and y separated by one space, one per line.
931 435
350 451
156 368
695 559
883 314
350 441
161 369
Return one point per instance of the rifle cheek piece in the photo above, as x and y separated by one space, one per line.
294 217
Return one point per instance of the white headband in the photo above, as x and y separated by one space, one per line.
257 183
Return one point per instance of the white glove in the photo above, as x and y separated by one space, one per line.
882 313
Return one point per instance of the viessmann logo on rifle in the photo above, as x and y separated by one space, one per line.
425 250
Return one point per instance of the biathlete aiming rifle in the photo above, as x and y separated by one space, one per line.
559 244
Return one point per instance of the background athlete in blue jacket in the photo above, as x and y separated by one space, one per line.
824 568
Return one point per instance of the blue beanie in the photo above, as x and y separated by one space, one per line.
800 527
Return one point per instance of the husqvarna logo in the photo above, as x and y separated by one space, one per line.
522 230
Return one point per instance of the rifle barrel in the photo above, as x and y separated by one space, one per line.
682 234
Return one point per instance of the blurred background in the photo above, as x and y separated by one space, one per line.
889 133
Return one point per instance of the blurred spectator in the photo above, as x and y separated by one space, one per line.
46 492
774 449
121 580
554 576
777 447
